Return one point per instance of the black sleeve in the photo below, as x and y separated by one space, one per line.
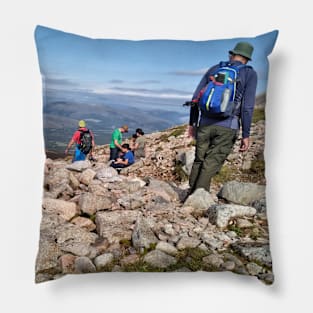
194 115
194 110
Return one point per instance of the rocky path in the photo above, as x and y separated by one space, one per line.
94 219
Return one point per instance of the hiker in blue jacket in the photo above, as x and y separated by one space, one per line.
215 136
126 159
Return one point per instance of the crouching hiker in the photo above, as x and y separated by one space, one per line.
126 159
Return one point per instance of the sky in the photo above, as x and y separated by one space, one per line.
169 69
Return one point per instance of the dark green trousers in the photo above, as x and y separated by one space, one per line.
213 145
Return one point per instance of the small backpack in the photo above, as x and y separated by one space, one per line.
85 141
217 98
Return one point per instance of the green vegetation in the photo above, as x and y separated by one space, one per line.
179 172
192 143
126 243
190 258
177 131
180 130
227 173
93 217
236 229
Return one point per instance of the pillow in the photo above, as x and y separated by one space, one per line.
126 185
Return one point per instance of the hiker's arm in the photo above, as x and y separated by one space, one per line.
121 161
117 144
69 145
247 109
93 145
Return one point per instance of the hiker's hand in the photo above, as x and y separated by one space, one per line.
244 146
191 131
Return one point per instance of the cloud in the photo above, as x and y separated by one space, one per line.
148 81
59 82
116 81
189 73
143 92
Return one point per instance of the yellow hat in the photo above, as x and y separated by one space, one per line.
82 123
125 127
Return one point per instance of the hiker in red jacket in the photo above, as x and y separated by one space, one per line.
84 140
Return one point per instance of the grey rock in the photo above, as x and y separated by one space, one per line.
107 173
116 225
187 242
242 193
79 166
73 239
167 248
87 176
130 260
254 252
212 242
65 209
220 215
229 265
84 223
84 265
186 158
133 168
103 260
67 263
157 258
57 182
267 278
242 223
260 205
200 200
163 189
254 269
143 236
213 260
47 259
90 203
74 182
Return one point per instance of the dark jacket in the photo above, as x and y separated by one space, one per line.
246 89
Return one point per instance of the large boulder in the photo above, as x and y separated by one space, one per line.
186 158
200 200
90 203
163 189
87 176
116 225
56 182
220 215
74 239
143 236
79 166
242 193
65 209
159 259
254 252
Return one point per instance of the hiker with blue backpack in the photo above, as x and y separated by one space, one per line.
84 140
224 100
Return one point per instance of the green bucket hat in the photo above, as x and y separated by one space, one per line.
244 49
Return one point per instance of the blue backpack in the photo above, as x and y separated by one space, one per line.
217 98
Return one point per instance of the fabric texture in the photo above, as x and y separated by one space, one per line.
182 203
140 151
214 143
116 135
